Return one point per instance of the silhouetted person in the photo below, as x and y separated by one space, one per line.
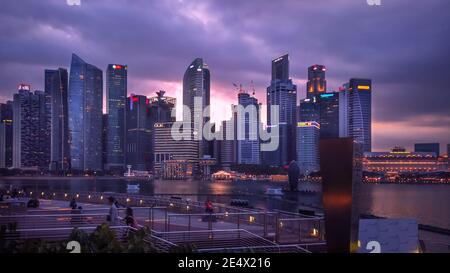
293 174
208 206
129 218
73 203
113 216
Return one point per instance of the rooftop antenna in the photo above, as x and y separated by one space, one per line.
252 85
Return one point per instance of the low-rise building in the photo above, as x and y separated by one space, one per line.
177 159
401 161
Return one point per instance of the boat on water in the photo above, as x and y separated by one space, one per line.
274 191
135 174
129 175
132 187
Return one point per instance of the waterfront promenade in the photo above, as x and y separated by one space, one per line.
173 221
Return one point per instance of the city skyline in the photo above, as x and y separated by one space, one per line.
214 128
399 77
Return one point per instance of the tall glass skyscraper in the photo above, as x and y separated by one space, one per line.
308 147
316 84
31 129
6 134
139 127
196 84
329 115
248 148
228 146
116 97
356 112
283 93
85 115
104 137
56 83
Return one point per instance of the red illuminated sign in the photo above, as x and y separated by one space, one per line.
117 66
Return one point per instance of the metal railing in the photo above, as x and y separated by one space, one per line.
57 233
160 244
221 239
176 205
40 221
300 230
259 249
262 223
167 214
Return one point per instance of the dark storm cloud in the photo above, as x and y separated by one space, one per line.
402 45
158 39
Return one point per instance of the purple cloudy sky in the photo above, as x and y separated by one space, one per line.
403 45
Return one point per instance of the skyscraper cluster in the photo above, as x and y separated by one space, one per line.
63 128
321 115
343 113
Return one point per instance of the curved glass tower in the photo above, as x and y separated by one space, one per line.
85 115
356 112
196 84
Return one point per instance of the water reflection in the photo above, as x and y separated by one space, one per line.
430 204
222 192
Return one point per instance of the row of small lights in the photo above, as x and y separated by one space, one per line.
251 218
78 196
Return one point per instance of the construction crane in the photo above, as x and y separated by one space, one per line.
239 88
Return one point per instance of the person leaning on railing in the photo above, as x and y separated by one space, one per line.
113 215
129 218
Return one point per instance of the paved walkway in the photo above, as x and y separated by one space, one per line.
57 214
97 214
